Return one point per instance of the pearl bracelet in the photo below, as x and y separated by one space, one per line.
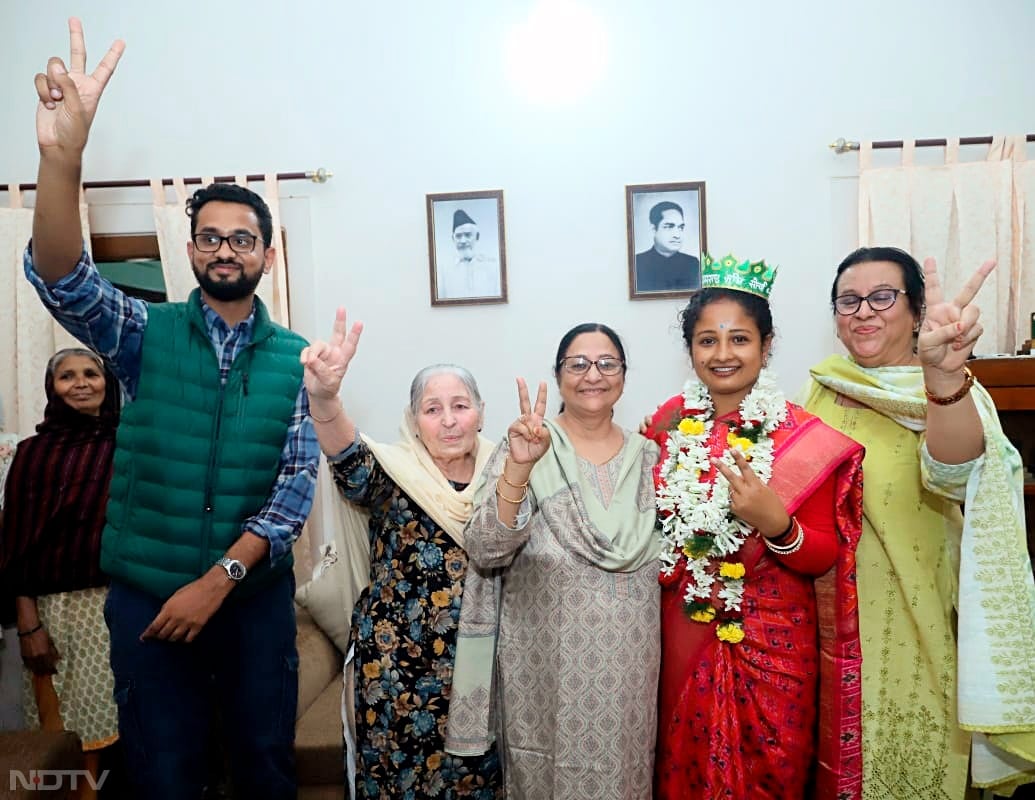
788 549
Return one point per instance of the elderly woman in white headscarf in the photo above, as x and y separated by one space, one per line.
418 493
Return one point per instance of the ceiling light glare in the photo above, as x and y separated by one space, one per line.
557 54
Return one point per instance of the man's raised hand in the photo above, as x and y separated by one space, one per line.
68 97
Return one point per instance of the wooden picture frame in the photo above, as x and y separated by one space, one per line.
467 248
666 234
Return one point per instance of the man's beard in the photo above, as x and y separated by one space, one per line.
223 290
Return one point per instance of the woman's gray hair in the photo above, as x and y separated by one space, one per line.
61 355
420 383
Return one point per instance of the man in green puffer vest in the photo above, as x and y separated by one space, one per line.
215 470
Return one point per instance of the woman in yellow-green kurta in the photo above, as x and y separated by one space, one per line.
946 601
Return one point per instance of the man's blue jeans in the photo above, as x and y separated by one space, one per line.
243 662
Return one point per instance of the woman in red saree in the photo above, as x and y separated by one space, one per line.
760 506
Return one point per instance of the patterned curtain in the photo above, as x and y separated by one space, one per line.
962 214
28 334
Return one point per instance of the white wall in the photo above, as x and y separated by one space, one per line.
400 99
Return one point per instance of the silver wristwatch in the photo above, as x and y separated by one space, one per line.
235 570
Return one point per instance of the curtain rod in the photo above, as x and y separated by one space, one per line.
317 176
843 145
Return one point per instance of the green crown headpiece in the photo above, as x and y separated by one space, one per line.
753 277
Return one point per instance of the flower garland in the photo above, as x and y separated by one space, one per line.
696 521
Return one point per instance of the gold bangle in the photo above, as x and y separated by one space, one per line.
512 485
788 549
959 394
331 418
510 500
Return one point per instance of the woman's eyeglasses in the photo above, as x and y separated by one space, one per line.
579 365
879 300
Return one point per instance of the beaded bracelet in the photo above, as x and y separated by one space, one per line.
23 634
789 549
959 394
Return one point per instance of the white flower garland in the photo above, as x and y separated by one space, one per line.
694 510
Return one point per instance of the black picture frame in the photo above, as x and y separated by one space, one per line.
664 258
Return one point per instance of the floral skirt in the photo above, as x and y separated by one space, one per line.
84 682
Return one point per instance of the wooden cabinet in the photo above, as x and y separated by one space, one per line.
1011 382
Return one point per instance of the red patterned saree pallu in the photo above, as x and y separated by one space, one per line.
760 687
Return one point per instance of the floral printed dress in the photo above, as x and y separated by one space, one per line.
404 628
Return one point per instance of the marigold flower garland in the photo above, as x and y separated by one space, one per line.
695 516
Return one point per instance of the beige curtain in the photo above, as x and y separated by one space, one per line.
1024 246
28 334
962 214
172 227
276 282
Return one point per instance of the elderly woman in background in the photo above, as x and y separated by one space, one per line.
55 497
418 493
934 682
565 515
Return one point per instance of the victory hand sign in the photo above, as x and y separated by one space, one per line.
950 328
753 501
325 363
528 438
68 97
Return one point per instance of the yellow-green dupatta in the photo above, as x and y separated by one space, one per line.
995 645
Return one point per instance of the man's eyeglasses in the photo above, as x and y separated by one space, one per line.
210 242
879 300
579 365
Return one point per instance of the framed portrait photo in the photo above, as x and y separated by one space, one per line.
466 247
665 224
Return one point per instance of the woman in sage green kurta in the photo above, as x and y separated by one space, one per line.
565 515
935 701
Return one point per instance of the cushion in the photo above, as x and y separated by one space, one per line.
341 576
324 598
